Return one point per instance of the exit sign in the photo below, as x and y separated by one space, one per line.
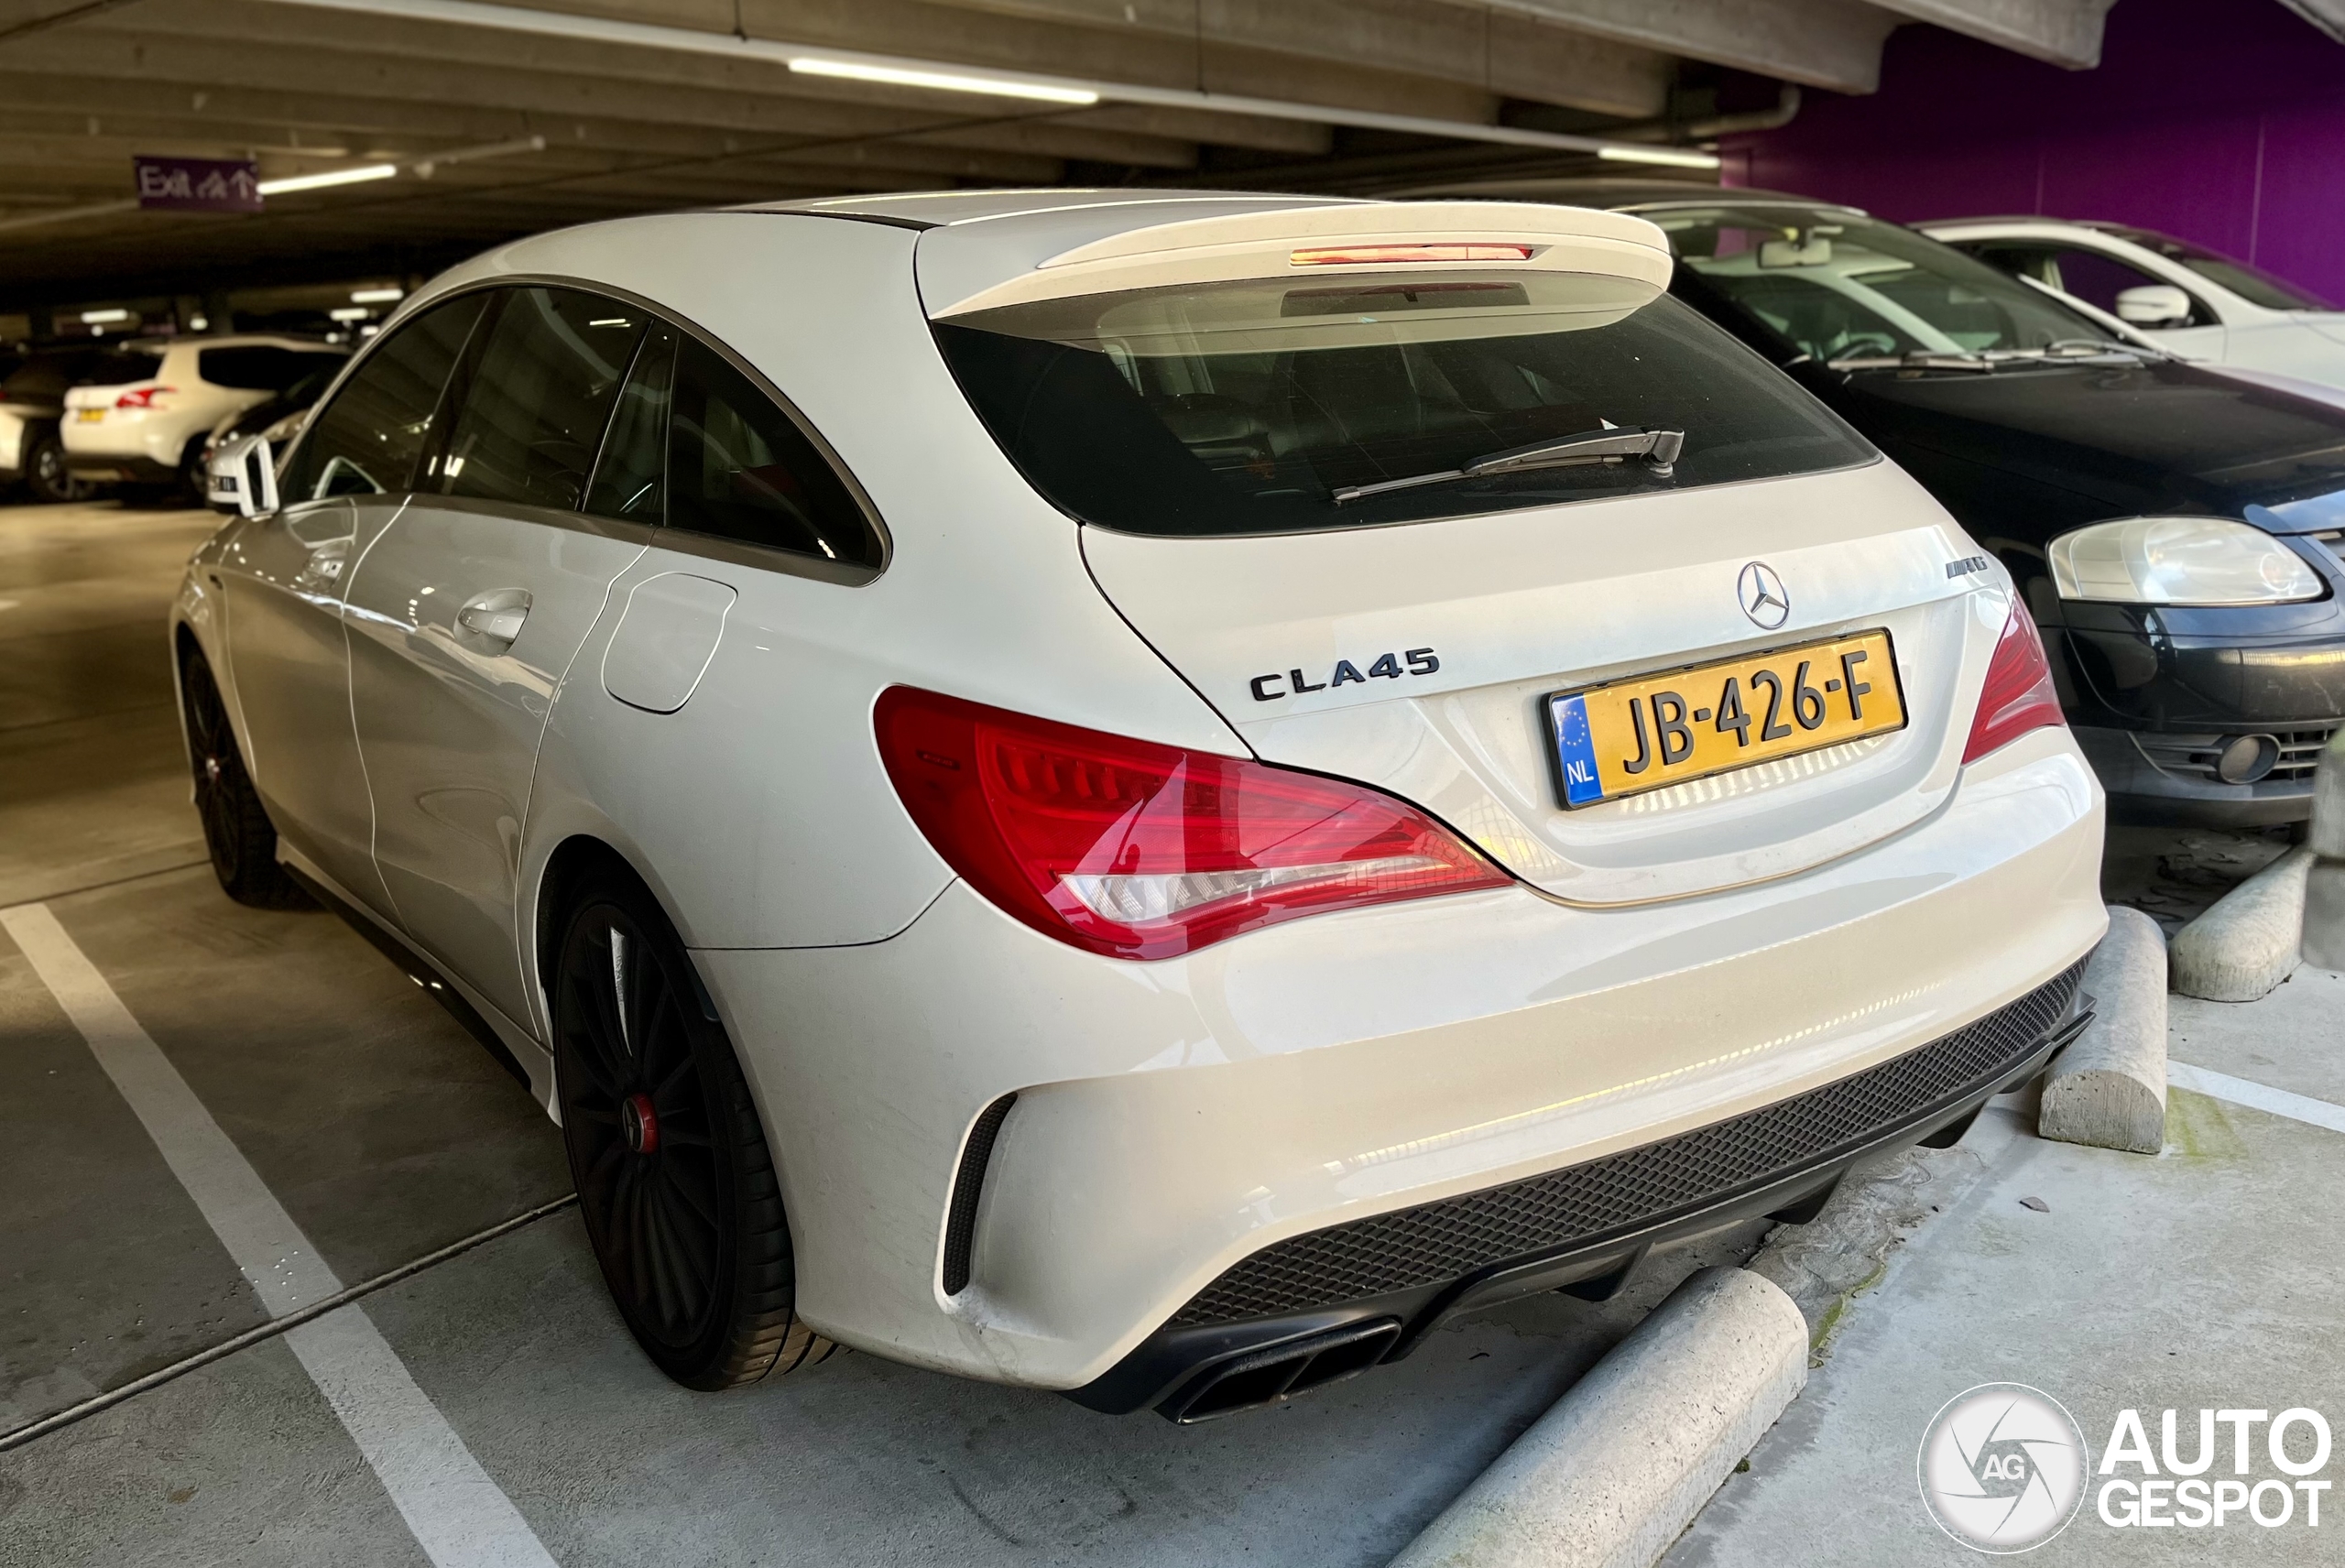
198 184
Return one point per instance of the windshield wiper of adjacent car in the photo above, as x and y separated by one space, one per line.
1612 444
2076 350
1920 359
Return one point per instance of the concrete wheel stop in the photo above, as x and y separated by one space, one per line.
2247 944
2108 1088
1617 1467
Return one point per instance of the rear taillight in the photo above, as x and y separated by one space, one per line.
143 397
1144 851
2019 695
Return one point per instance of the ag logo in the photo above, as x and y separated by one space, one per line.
1763 595
2003 1468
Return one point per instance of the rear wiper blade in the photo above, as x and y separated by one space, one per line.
1659 448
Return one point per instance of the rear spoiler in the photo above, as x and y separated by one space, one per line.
1378 236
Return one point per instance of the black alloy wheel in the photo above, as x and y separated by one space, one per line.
46 474
675 1181
236 829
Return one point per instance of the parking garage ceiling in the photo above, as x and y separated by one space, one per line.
500 119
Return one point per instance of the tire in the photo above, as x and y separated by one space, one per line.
236 829
195 476
45 474
675 1181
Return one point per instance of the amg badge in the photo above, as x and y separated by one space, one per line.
1384 665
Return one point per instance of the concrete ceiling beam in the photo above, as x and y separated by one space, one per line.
1817 43
896 26
1508 54
238 120
2062 32
136 61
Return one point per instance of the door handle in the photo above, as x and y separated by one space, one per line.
495 616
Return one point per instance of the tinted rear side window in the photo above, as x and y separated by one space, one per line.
630 478
367 438
258 367
739 468
1245 407
536 395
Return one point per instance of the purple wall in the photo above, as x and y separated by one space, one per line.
2219 121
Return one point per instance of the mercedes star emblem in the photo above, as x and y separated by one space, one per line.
1763 595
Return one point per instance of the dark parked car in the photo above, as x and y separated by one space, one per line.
32 400
2176 530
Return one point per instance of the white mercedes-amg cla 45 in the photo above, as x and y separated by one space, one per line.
1145 794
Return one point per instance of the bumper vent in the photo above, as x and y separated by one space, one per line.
968 1186
1629 1190
2194 756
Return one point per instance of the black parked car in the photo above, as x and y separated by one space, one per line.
32 400
2176 531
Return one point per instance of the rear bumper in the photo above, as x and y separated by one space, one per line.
1174 1119
133 445
112 470
1583 1229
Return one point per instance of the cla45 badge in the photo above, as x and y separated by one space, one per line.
1383 667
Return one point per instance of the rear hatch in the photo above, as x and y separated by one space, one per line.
1408 492
124 378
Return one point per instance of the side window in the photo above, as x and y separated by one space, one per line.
629 478
739 468
2019 260
535 397
2098 279
367 440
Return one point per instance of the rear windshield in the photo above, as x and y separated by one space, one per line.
118 366
1255 406
262 367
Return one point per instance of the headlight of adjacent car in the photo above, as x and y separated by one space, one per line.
2179 560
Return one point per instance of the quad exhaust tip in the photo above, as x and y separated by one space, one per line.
1264 1378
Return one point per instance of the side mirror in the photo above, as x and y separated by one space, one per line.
256 471
2153 305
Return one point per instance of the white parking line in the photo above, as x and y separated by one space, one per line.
2257 1096
458 1515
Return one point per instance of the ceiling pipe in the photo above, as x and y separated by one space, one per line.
1787 109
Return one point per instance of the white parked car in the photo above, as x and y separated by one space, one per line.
143 414
1142 793
2196 302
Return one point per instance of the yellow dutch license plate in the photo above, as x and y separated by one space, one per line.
91 415
1656 730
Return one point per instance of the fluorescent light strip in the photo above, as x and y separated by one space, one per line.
941 80
1035 86
377 296
97 318
1674 158
331 177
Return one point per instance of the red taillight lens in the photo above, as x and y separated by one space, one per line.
144 397
2018 696
1144 851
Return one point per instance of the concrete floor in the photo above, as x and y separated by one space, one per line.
386 1133
2203 1277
